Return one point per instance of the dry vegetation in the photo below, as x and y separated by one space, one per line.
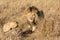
47 29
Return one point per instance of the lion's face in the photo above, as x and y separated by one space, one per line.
31 14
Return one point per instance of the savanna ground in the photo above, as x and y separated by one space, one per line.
48 28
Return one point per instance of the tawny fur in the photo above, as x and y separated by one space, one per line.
32 17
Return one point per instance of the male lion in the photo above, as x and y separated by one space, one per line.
33 15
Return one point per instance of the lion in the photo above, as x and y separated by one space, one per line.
32 17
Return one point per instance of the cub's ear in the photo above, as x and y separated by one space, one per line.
40 14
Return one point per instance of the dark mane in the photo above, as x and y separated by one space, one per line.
31 8
39 12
